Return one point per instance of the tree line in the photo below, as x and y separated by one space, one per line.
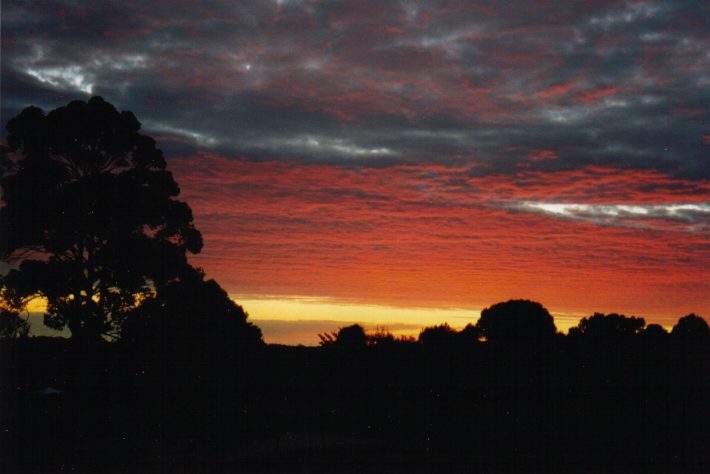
524 323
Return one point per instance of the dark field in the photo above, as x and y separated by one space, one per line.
636 405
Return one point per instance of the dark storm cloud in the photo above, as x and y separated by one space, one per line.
620 84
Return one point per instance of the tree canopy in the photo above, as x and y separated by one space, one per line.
441 335
89 216
516 321
608 326
348 337
691 328
195 315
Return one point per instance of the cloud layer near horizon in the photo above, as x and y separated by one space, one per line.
426 153
430 236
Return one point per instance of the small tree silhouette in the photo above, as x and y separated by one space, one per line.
516 322
380 337
348 337
691 328
655 331
469 335
608 326
437 336
351 337
192 313
12 325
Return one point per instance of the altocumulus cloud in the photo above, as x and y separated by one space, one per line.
615 83
695 216
372 144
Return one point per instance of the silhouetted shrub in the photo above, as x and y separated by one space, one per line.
655 331
380 337
608 327
12 325
191 313
519 322
469 335
349 337
437 336
691 328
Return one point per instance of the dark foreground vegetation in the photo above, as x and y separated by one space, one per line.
164 373
581 403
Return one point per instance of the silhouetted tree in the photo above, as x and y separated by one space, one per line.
380 337
469 335
691 328
608 326
348 337
438 336
193 315
351 336
516 322
90 212
12 325
655 331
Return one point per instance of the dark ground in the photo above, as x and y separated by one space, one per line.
576 406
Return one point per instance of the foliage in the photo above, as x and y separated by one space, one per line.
191 313
608 326
691 328
89 211
380 337
355 336
516 322
12 325
348 337
655 331
437 336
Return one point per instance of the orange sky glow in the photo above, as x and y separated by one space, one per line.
427 159
420 240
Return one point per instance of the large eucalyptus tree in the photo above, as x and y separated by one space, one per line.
89 217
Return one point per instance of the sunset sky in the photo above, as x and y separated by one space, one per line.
408 163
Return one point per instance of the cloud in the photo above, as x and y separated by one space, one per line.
435 235
695 216
429 152
272 80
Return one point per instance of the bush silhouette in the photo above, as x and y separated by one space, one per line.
691 328
655 332
608 327
12 325
191 313
437 336
348 337
521 322
351 336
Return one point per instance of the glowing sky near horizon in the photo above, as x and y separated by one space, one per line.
417 156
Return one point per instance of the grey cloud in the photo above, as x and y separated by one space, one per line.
265 79
694 217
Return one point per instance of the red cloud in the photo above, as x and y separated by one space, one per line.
556 90
541 155
423 236
589 97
